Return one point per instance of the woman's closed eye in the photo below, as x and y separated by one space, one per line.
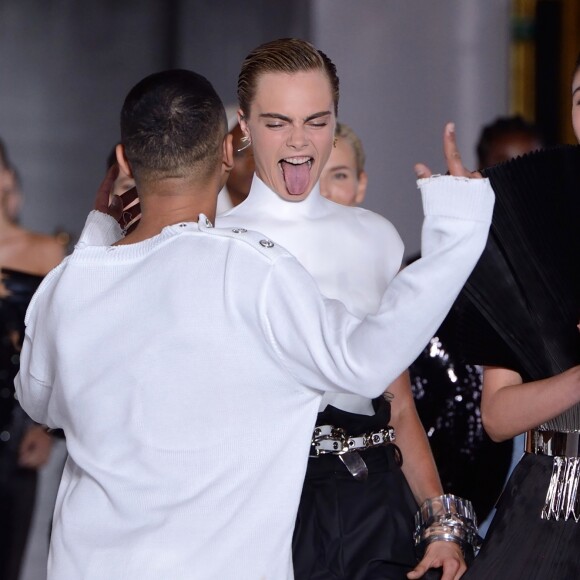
317 124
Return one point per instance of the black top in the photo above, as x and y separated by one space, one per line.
16 290
520 307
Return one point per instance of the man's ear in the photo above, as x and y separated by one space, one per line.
122 160
227 159
228 152
361 189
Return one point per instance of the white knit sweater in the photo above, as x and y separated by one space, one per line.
186 459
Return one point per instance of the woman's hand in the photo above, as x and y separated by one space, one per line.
452 158
441 554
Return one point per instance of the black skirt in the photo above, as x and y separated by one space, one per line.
519 544
355 530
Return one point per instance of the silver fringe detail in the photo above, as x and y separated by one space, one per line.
569 420
562 496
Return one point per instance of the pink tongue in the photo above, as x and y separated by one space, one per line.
296 177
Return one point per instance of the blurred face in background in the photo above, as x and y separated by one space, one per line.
509 146
341 180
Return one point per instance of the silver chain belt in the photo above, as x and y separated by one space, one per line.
330 439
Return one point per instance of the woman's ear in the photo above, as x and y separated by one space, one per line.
242 121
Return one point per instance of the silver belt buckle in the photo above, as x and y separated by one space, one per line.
335 441
355 465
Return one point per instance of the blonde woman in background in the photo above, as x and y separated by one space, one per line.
344 179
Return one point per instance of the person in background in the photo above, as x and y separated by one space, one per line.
535 532
344 179
506 138
25 257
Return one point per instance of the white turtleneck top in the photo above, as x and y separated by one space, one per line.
352 253
187 371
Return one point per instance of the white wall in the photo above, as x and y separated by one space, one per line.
406 67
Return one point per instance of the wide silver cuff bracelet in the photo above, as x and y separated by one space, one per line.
448 518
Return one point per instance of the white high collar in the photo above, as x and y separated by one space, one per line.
263 200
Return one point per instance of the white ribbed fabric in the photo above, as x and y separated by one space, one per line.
187 372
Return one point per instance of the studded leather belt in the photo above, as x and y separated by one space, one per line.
330 439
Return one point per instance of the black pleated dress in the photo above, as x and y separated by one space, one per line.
519 544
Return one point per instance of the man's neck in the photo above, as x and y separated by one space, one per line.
164 206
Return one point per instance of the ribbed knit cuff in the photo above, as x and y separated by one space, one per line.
100 230
457 197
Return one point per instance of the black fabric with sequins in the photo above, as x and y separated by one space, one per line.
16 290
447 394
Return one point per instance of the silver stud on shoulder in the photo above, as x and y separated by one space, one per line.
267 243
239 230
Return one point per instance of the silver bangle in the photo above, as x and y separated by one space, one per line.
446 518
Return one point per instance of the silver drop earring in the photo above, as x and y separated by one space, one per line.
246 141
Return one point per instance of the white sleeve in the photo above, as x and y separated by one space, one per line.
325 347
34 381
100 229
